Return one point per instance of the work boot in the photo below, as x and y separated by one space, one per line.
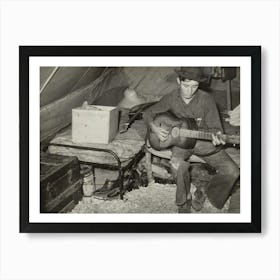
108 186
198 200
185 208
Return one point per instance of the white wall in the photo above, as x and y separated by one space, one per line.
139 256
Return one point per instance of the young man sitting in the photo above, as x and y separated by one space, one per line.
191 102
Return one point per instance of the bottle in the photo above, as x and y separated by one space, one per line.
88 180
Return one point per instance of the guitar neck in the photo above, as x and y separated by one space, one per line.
232 139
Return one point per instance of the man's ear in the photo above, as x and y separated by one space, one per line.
178 81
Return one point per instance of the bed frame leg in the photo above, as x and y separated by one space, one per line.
121 184
148 157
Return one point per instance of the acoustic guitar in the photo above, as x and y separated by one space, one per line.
183 133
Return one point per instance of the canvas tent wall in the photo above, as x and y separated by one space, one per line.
64 88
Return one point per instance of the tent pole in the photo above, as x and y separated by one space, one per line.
48 79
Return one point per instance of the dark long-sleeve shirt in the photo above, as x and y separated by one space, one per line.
202 108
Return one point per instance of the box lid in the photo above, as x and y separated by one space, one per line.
96 108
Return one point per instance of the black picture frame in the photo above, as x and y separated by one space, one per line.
254 52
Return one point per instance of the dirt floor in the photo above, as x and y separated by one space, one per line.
155 198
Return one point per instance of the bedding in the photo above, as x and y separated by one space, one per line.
125 145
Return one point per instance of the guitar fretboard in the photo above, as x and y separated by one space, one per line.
196 134
233 139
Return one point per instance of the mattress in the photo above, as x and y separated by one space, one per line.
125 146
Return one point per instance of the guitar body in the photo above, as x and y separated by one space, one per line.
168 121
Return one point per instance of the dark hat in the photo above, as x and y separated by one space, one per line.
190 73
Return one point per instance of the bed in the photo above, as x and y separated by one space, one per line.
122 154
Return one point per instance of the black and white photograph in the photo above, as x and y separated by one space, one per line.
126 137
140 139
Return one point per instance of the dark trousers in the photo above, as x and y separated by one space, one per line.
219 188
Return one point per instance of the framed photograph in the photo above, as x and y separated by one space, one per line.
140 138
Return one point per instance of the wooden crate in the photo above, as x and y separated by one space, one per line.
94 124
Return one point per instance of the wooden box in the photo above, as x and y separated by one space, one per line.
94 124
60 183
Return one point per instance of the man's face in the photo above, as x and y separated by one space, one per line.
188 88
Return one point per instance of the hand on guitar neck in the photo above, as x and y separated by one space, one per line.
217 139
